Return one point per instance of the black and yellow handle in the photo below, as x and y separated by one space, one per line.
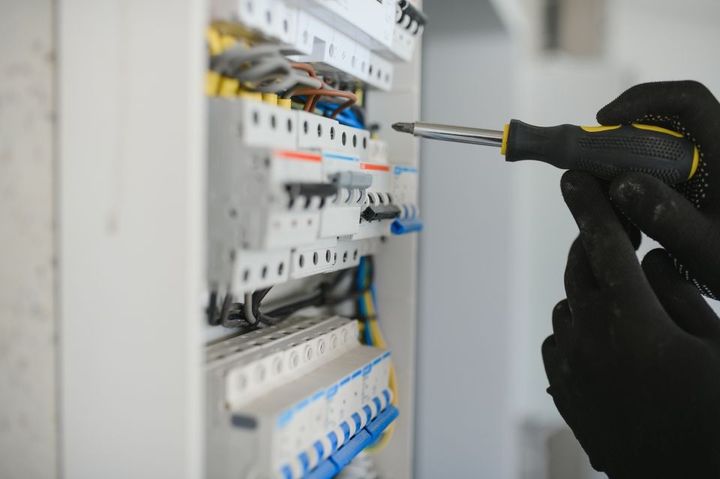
604 151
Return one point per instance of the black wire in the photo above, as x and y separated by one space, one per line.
213 315
232 315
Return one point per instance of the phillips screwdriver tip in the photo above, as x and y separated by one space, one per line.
404 127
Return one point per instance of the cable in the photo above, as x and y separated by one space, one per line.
351 97
248 315
352 116
306 67
262 68
248 308
367 309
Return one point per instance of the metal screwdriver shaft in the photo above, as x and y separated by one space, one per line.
462 134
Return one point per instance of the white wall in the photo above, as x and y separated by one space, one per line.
464 426
28 417
550 92
494 251
656 40
132 217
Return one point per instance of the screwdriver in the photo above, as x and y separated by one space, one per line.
603 151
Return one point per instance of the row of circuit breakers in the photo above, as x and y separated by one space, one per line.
293 193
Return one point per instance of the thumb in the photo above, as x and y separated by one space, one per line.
668 98
669 218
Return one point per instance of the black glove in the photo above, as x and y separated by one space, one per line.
685 221
634 361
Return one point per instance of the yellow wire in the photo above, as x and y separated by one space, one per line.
217 42
214 41
379 341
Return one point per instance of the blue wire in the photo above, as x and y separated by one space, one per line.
346 117
361 301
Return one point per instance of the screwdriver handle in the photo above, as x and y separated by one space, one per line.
604 151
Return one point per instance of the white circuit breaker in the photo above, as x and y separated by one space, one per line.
286 399
282 180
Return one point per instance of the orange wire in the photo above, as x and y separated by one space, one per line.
306 67
351 98
314 94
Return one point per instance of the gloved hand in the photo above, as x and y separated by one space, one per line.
685 221
634 359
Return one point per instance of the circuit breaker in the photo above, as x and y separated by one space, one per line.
302 193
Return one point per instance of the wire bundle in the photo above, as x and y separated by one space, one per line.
314 94
263 68
371 333
250 315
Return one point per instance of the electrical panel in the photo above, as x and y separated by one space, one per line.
302 194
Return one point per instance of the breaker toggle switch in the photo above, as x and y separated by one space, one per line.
380 212
310 191
351 181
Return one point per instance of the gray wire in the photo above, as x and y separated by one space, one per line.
262 68
239 54
264 71
292 80
248 307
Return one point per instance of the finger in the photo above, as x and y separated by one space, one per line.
557 368
562 323
583 297
558 373
680 298
610 253
675 98
669 218
632 231
580 282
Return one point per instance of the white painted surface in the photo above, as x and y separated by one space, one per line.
132 237
464 422
397 271
549 93
27 275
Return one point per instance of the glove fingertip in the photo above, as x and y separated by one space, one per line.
548 344
550 353
561 317
610 114
621 109
561 307
658 260
657 264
